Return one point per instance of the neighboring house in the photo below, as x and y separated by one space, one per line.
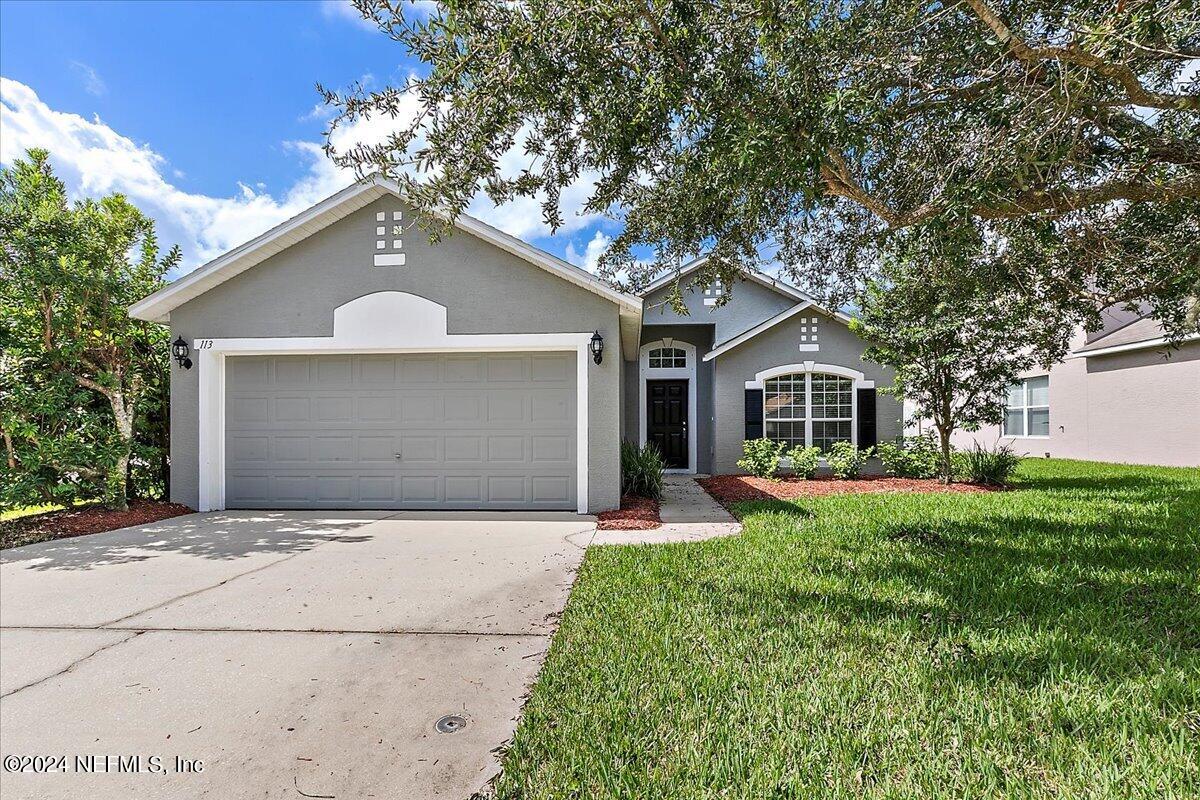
1120 395
340 360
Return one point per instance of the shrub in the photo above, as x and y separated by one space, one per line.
846 460
911 457
761 457
805 461
641 470
990 467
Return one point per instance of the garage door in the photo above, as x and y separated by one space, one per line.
487 430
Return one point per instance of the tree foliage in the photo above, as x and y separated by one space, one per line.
1066 135
955 343
78 376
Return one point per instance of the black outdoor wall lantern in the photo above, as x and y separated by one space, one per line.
179 349
597 347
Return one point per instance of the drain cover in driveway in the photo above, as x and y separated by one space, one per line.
450 724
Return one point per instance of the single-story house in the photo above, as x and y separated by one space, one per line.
341 360
1121 394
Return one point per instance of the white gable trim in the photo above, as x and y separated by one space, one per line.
157 307
1123 348
750 274
726 346
810 366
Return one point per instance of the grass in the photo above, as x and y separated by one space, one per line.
1036 643
27 511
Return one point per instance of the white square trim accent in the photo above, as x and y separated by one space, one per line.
389 260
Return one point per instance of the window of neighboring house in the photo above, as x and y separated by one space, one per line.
809 409
668 358
712 293
1027 409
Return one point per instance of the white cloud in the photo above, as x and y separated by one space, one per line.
93 159
589 259
344 10
93 84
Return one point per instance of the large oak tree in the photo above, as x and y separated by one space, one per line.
1066 135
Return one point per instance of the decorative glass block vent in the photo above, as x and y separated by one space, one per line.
389 253
808 334
712 293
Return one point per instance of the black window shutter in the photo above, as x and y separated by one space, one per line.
867 437
754 413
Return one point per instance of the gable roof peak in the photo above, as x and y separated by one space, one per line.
782 287
157 306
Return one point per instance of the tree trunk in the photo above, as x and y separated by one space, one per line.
944 432
117 485
8 449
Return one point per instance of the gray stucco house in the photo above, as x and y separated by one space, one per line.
342 361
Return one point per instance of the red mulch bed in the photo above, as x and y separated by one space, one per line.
729 489
84 520
635 514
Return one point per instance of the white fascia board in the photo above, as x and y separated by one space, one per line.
157 307
725 347
1125 348
686 269
753 275
540 258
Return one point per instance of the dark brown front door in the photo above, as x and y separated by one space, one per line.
667 420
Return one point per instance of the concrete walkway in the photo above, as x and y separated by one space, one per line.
277 655
689 514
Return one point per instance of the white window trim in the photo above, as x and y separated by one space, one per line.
1025 409
383 322
857 381
645 373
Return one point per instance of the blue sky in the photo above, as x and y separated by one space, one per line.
206 114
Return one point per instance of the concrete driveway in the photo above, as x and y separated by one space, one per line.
277 655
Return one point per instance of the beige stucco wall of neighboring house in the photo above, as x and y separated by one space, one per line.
1135 407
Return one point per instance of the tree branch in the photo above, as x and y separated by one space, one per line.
1022 51
1064 200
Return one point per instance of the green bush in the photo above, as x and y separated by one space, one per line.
989 467
910 457
641 470
805 461
846 460
761 457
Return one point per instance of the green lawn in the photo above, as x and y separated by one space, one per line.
1043 642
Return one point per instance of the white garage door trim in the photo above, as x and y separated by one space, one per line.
383 322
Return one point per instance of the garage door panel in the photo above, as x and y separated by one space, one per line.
464 489
463 449
462 408
550 489
471 431
377 489
420 449
463 369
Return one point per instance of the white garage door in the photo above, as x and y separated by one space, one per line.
484 430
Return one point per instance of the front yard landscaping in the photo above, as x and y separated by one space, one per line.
729 490
635 514
80 520
1043 642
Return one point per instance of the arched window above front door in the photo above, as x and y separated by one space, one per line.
667 358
